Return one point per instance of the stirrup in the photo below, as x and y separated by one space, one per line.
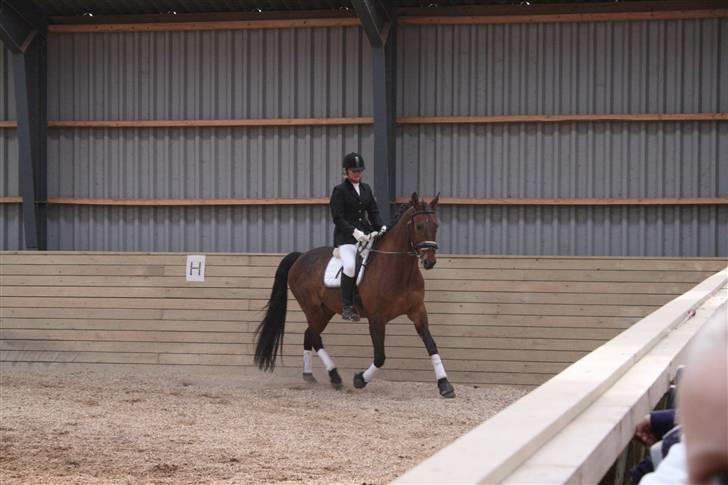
349 313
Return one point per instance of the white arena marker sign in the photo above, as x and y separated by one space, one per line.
195 269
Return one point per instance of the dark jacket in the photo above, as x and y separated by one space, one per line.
353 211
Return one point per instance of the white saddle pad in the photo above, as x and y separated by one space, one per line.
332 275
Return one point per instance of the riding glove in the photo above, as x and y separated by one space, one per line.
383 230
360 236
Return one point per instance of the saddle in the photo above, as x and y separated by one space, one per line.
332 275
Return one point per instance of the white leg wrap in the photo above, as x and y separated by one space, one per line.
437 365
307 367
369 373
324 356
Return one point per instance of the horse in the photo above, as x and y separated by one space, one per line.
392 285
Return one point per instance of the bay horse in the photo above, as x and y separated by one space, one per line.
392 285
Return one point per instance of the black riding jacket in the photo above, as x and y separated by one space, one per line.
353 211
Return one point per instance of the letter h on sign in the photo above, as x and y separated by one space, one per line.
195 269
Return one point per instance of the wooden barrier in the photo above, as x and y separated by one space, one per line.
571 429
497 320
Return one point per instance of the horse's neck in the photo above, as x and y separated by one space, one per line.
397 238
397 241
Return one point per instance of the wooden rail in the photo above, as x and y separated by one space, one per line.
564 17
636 117
512 15
367 120
265 122
578 201
188 202
572 428
401 200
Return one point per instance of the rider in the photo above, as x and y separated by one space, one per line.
355 214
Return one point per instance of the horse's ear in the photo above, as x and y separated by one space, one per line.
414 201
433 202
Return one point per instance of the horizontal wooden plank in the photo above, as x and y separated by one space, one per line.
26 318
217 123
564 17
292 356
561 118
153 347
224 332
79 357
479 378
221 294
450 261
268 271
470 281
646 287
590 264
210 310
113 258
131 303
186 202
331 340
201 26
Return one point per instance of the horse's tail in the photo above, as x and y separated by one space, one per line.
271 329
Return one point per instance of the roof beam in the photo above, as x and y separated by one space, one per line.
377 18
20 22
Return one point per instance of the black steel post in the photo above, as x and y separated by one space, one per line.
380 24
23 31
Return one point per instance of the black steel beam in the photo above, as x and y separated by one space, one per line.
384 100
20 22
377 17
24 33
379 21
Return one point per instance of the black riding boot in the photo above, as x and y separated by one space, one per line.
347 298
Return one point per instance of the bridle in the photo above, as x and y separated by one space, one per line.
415 249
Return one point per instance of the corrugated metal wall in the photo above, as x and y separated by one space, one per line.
206 229
673 66
285 73
11 227
292 73
676 66
586 68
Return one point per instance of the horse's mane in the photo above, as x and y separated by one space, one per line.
398 213
396 216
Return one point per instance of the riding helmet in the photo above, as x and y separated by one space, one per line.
353 161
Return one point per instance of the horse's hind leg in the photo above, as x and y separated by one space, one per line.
307 358
317 321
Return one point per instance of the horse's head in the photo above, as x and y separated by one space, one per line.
422 227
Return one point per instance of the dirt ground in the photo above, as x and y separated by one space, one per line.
115 424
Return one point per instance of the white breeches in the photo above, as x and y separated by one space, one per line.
347 253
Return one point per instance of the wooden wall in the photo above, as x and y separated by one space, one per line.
497 320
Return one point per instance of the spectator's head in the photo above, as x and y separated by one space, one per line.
703 402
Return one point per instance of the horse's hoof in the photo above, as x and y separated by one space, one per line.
350 314
446 389
309 378
335 378
359 381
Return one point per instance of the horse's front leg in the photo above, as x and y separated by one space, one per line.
376 331
419 317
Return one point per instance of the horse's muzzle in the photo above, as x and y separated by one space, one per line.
426 252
